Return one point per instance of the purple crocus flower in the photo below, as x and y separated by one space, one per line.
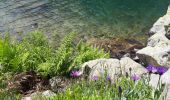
95 78
135 77
108 78
161 70
75 73
151 69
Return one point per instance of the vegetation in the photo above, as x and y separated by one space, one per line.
103 90
34 52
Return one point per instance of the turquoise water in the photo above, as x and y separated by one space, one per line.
88 17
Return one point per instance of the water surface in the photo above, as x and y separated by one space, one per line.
89 17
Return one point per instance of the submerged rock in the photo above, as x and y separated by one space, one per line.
119 47
112 68
157 51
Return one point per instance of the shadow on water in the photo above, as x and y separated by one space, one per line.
95 17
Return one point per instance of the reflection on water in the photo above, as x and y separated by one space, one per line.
97 17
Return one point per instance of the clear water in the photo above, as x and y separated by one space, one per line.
89 17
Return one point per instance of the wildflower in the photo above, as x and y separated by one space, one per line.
108 78
75 73
95 78
161 70
135 77
151 69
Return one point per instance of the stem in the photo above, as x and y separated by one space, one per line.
158 85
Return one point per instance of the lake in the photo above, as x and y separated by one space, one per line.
100 18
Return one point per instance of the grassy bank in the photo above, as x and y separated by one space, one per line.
48 58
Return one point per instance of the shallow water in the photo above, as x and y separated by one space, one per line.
96 17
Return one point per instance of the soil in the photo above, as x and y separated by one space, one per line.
28 82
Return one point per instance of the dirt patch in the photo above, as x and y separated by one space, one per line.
28 82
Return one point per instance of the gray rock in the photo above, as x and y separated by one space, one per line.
159 25
58 84
165 77
112 68
101 67
127 63
158 56
40 95
33 96
167 32
48 93
154 78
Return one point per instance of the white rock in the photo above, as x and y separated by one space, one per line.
158 26
26 98
158 40
101 67
165 78
48 93
57 84
158 56
157 51
154 78
111 67
40 95
127 63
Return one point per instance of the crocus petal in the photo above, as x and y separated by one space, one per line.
161 70
135 77
95 77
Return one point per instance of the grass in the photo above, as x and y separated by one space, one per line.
123 89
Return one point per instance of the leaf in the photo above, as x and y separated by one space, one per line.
44 66
24 57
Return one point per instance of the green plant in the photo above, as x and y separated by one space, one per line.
85 52
10 95
102 89
34 52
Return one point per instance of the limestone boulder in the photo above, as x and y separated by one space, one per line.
155 78
102 67
160 25
40 95
158 56
58 83
112 68
131 67
165 77
157 51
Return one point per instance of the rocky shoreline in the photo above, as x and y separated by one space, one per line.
130 58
